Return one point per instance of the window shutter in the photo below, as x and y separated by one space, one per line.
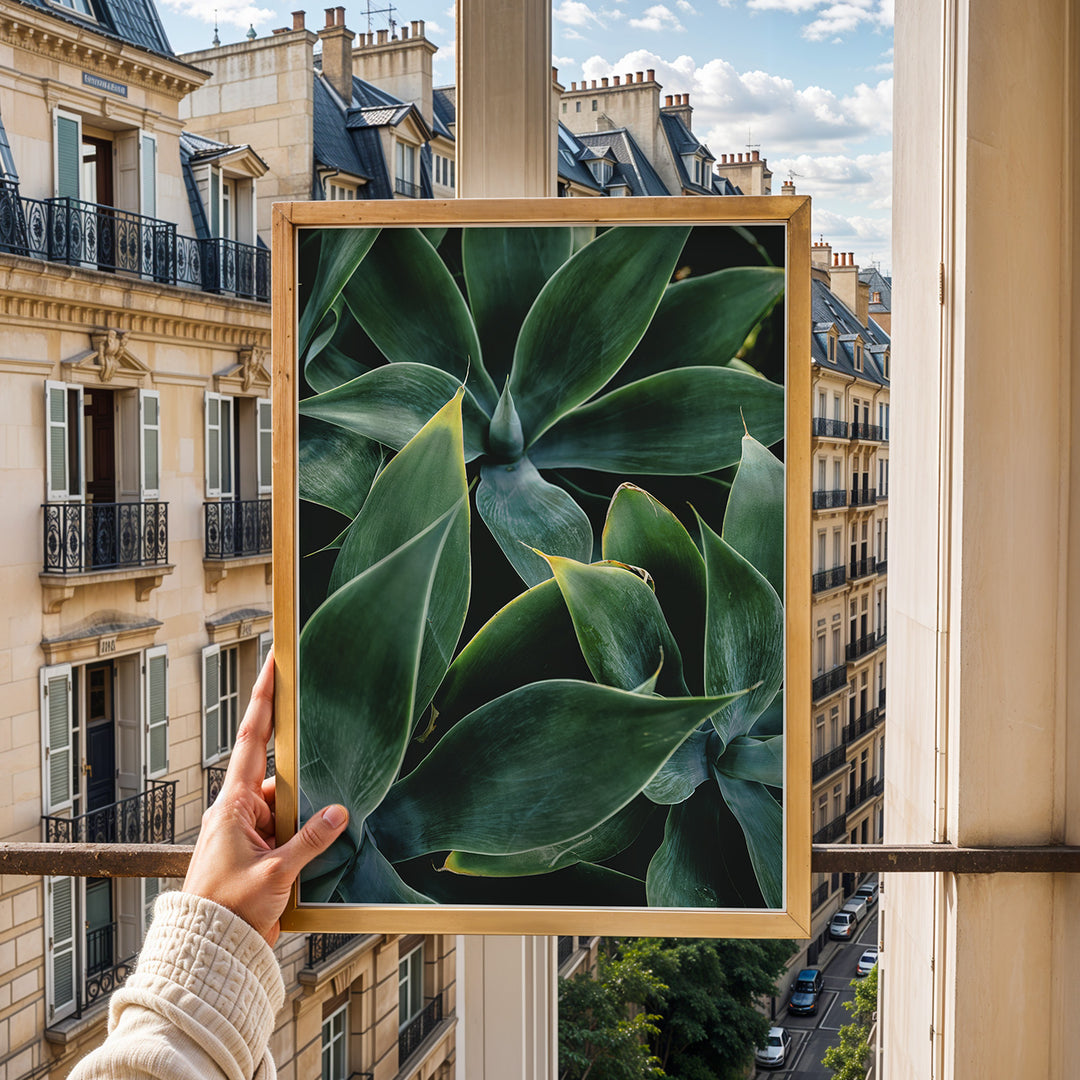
150 444
57 481
68 154
156 682
211 689
60 971
56 717
266 448
226 416
212 443
266 639
215 201
151 889
148 174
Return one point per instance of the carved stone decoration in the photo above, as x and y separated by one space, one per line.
110 358
253 368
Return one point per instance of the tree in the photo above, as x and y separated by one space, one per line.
851 1058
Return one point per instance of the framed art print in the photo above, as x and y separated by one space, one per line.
541 563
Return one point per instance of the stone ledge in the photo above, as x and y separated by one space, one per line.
216 570
58 589
65 1033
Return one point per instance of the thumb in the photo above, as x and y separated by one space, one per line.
317 834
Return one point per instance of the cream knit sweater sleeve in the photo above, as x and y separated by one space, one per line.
199 1006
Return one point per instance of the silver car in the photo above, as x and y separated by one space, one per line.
775 1051
867 961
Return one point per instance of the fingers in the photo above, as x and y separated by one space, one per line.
313 839
248 764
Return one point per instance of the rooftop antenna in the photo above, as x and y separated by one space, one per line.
217 38
751 145
387 11
793 176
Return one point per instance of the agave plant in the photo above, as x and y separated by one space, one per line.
609 735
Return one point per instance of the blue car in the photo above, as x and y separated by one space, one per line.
805 992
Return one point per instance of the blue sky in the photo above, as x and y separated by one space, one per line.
810 81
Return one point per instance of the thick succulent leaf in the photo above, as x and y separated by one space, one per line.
523 511
371 879
744 636
705 320
587 320
331 367
539 765
619 625
505 440
529 640
337 467
703 861
762 823
434 236
771 721
406 300
505 269
357 668
754 519
754 759
320 877
340 253
682 772
679 422
392 403
419 485
643 532
598 844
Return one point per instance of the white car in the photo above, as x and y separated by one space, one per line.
775 1051
867 961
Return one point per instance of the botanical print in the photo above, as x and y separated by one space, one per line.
542 551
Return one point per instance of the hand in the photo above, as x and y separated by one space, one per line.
235 862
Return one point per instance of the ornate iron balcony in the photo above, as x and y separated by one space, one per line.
820 895
321 947
104 972
146 818
828 762
866 432
867 790
835 429
406 187
833 831
861 646
863 567
863 496
418 1029
566 948
829 579
860 726
831 681
215 777
81 537
828 500
218 265
882 566
235 528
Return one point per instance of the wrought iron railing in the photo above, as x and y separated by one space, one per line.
566 948
829 579
881 699
146 818
836 429
828 500
80 537
882 566
867 432
101 237
861 646
234 528
215 777
867 790
406 187
863 567
833 831
831 681
104 973
820 895
418 1029
828 762
863 496
861 725
321 947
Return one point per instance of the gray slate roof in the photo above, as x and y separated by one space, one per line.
443 102
133 21
683 141
878 283
632 166
828 310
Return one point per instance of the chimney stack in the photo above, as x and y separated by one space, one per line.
401 64
337 46
821 255
650 75
788 187
845 285
298 20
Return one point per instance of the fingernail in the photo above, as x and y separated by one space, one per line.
335 815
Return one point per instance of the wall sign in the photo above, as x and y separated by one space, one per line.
99 83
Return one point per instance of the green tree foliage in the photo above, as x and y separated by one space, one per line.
851 1058
698 1000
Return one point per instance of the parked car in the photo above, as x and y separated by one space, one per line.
805 992
776 1049
869 892
857 906
842 926
867 961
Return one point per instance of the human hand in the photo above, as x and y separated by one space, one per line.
236 862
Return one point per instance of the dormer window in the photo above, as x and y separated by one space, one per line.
80 7
858 356
875 298
832 349
335 189
601 170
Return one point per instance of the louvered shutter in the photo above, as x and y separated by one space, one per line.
55 683
266 639
60 960
156 683
266 448
151 889
67 131
57 480
148 174
150 444
211 713
212 442
227 447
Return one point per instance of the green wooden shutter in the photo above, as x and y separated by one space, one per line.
149 444
157 711
68 155
60 970
57 481
211 690
56 715
266 448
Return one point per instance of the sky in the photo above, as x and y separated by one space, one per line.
808 82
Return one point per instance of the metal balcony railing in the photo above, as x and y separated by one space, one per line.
235 528
882 566
418 1029
566 948
829 579
861 725
146 818
866 791
104 972
80 537
829 682
863 567
866 432
881 700
98 237
406 187
820 895
861 646
835 429
321 947
828 500
833 831
863 496
215 777
828 762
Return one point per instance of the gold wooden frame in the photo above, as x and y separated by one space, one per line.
793 919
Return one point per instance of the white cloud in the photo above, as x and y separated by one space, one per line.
686 6
433 27
563 61
793 7
657 18
833 18
572 35
575 13
223 12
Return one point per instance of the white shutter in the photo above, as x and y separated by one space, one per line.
149 445
212 443
56 717
151 888
148 175
266 446
60 960
211 701
156 712
266 639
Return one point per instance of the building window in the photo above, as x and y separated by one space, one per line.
335 190
237 444
335 1044
564 106
80 7
832 349
577 106
228 673
410 985
858 356
594 104
406 162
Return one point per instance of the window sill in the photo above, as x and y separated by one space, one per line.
58 589
216 570
65 1033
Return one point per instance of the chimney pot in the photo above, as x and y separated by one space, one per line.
594 84
573 86
638 77
740 157
650 74
329 17
298 20
757 155
615 80
667 101
554 73
382 37
404 33
413 26
419 32
629 77
339 16
603 82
